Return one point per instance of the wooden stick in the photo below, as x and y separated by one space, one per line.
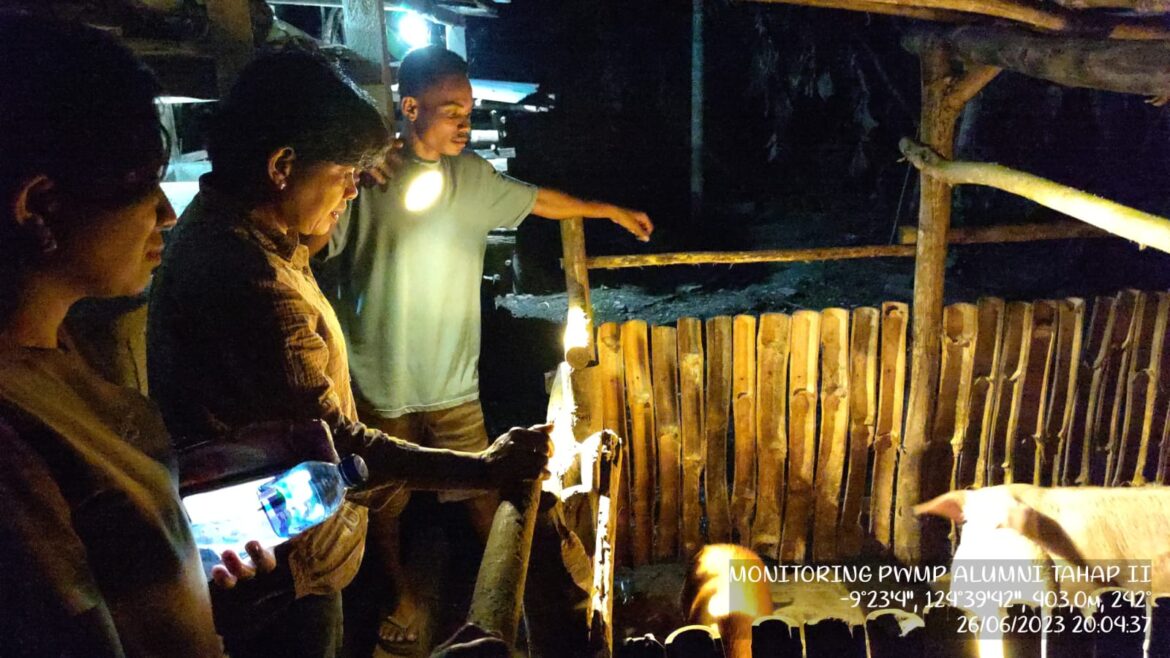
772 433
499 586
1010 233
1161 420
984 390
664 353
613 403
960 324
1082 443
609 472
1013 364
833 443
640 396
1130 223
802 426
863 369
1065 371
1033 458
1143 392
743 406
906 11
715 425
694 448
740 257
892 387
942 98
579 348
1108 426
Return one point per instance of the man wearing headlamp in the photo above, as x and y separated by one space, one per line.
408 259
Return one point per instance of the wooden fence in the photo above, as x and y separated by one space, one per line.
941 632
782 432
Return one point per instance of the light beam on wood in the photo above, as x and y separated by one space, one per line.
578 341
1130 223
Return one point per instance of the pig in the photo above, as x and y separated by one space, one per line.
707 596
1069 525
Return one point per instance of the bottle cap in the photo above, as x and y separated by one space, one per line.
353 470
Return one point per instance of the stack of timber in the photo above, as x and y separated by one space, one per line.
784 432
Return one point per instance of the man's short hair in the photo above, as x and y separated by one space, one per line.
424 67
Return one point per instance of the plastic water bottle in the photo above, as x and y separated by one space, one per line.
269 510
309 493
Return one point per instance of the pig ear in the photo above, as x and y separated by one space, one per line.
949 505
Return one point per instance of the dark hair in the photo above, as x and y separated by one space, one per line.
297 99
78 106
424 67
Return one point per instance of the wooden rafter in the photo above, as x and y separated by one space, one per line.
1046 18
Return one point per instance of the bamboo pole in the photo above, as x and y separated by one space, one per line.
640 397
1013 363
1082 443
802 427
1065 369
943 98
743 407
984 389
772 434
691 362
1010 233
609 472
741 257
613 403
1141 227
1145 374
715 423
891 396
833 445
863 369
579 348
1108 427
952 412
1161 420
1034 455
664 356
870 7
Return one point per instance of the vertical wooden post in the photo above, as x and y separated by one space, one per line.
771 432
640 396
943 98
231 35
609 475
364 22
690 375
715 423
664 359
833 444
743 407
579 346
803 369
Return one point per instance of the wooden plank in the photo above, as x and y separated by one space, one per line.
1033 458
834 432
743 406
1137 434
1107 427
1065 370
1013 362
694 448
891 398
578 342
640 397
664 358
771 432
1082 444
742 257
608 463
1158 461
1127 377
952 408
715 422
863 369
984 371
802 427
613 405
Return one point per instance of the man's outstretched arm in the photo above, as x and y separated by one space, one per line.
552 204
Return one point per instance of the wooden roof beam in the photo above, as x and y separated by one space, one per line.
1049 18
1135 67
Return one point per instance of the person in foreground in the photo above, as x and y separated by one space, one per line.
240 333
96 556
408 268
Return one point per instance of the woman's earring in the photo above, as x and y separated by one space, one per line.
281 185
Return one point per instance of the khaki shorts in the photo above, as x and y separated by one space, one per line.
459 428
